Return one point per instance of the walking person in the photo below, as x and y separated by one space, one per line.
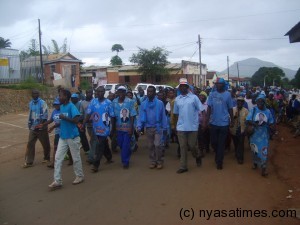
69 139
238 130
84 141
123 109
203 131
89 126
263 120
37 116
56 127
219 117
187 107
153 118
101 113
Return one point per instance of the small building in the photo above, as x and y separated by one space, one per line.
211 77
129 74
64 66
9 66
237 82
294 33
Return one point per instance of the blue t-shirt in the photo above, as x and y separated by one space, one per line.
38 112
101 113
187 107
220 104
68 130
55 118
152 114
123 112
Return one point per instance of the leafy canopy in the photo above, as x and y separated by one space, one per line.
117 48
270 74
116 61
296 81
151 63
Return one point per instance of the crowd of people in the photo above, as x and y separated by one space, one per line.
197 120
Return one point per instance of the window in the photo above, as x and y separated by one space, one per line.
52 70
73 70
127 79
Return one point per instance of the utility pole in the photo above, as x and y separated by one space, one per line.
41 54
228 68
199 42
237 64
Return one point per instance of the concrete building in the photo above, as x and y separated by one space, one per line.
9 66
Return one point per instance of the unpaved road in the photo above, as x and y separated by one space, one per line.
135 196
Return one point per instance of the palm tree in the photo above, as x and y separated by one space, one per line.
4 43
55 48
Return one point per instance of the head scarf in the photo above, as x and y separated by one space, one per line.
261 96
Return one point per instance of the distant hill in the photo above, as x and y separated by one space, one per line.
249 66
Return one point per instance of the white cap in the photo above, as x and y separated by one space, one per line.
183 81
122 88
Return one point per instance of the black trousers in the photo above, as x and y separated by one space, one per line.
238 142
102 149
218 135
84 140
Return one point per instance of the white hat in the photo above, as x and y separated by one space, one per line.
122 88
183 81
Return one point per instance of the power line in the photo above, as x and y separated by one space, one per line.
247 39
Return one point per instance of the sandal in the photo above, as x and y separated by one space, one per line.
27 165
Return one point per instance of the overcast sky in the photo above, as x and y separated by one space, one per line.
239 29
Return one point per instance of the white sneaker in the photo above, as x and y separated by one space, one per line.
78 180
55 185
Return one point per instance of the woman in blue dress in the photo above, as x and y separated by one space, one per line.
263 120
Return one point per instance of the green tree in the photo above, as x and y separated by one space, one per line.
296 80
116 61
4 43
152 63
268 74
117 48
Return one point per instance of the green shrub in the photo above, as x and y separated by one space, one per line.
85 85
29 83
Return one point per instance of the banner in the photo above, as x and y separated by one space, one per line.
3 62
57 76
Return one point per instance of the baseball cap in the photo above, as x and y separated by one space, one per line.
183 81
122 88
56 102
74 96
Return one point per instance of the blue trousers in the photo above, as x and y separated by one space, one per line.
124 143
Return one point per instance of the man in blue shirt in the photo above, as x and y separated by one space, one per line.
83 139
37 116
101 112
152 116
69 139
124 127
187 107
54 118
219 116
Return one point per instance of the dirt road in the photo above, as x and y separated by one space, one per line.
137 195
